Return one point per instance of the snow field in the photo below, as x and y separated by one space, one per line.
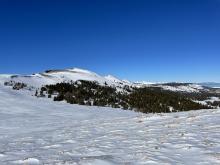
40 131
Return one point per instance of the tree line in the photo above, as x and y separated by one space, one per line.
147 100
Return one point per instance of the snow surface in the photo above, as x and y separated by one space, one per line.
40 131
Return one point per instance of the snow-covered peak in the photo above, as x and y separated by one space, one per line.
83 71
144 82
127 81
112 78
73 74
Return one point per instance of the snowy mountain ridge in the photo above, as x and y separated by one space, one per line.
210 84
73 74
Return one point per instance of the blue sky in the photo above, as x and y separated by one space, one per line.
152 40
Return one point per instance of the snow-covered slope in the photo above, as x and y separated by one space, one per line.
67 75
182 88
40 131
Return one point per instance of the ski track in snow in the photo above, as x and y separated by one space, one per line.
40 131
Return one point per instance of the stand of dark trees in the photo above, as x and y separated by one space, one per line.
147 100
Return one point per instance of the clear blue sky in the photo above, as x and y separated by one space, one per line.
152 40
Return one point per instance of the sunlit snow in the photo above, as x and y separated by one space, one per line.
40 131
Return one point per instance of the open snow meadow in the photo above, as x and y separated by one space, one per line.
40 131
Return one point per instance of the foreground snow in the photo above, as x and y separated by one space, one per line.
40 131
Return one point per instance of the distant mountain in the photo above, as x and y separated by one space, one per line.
210 84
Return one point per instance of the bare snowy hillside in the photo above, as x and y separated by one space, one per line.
57 76
40 131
